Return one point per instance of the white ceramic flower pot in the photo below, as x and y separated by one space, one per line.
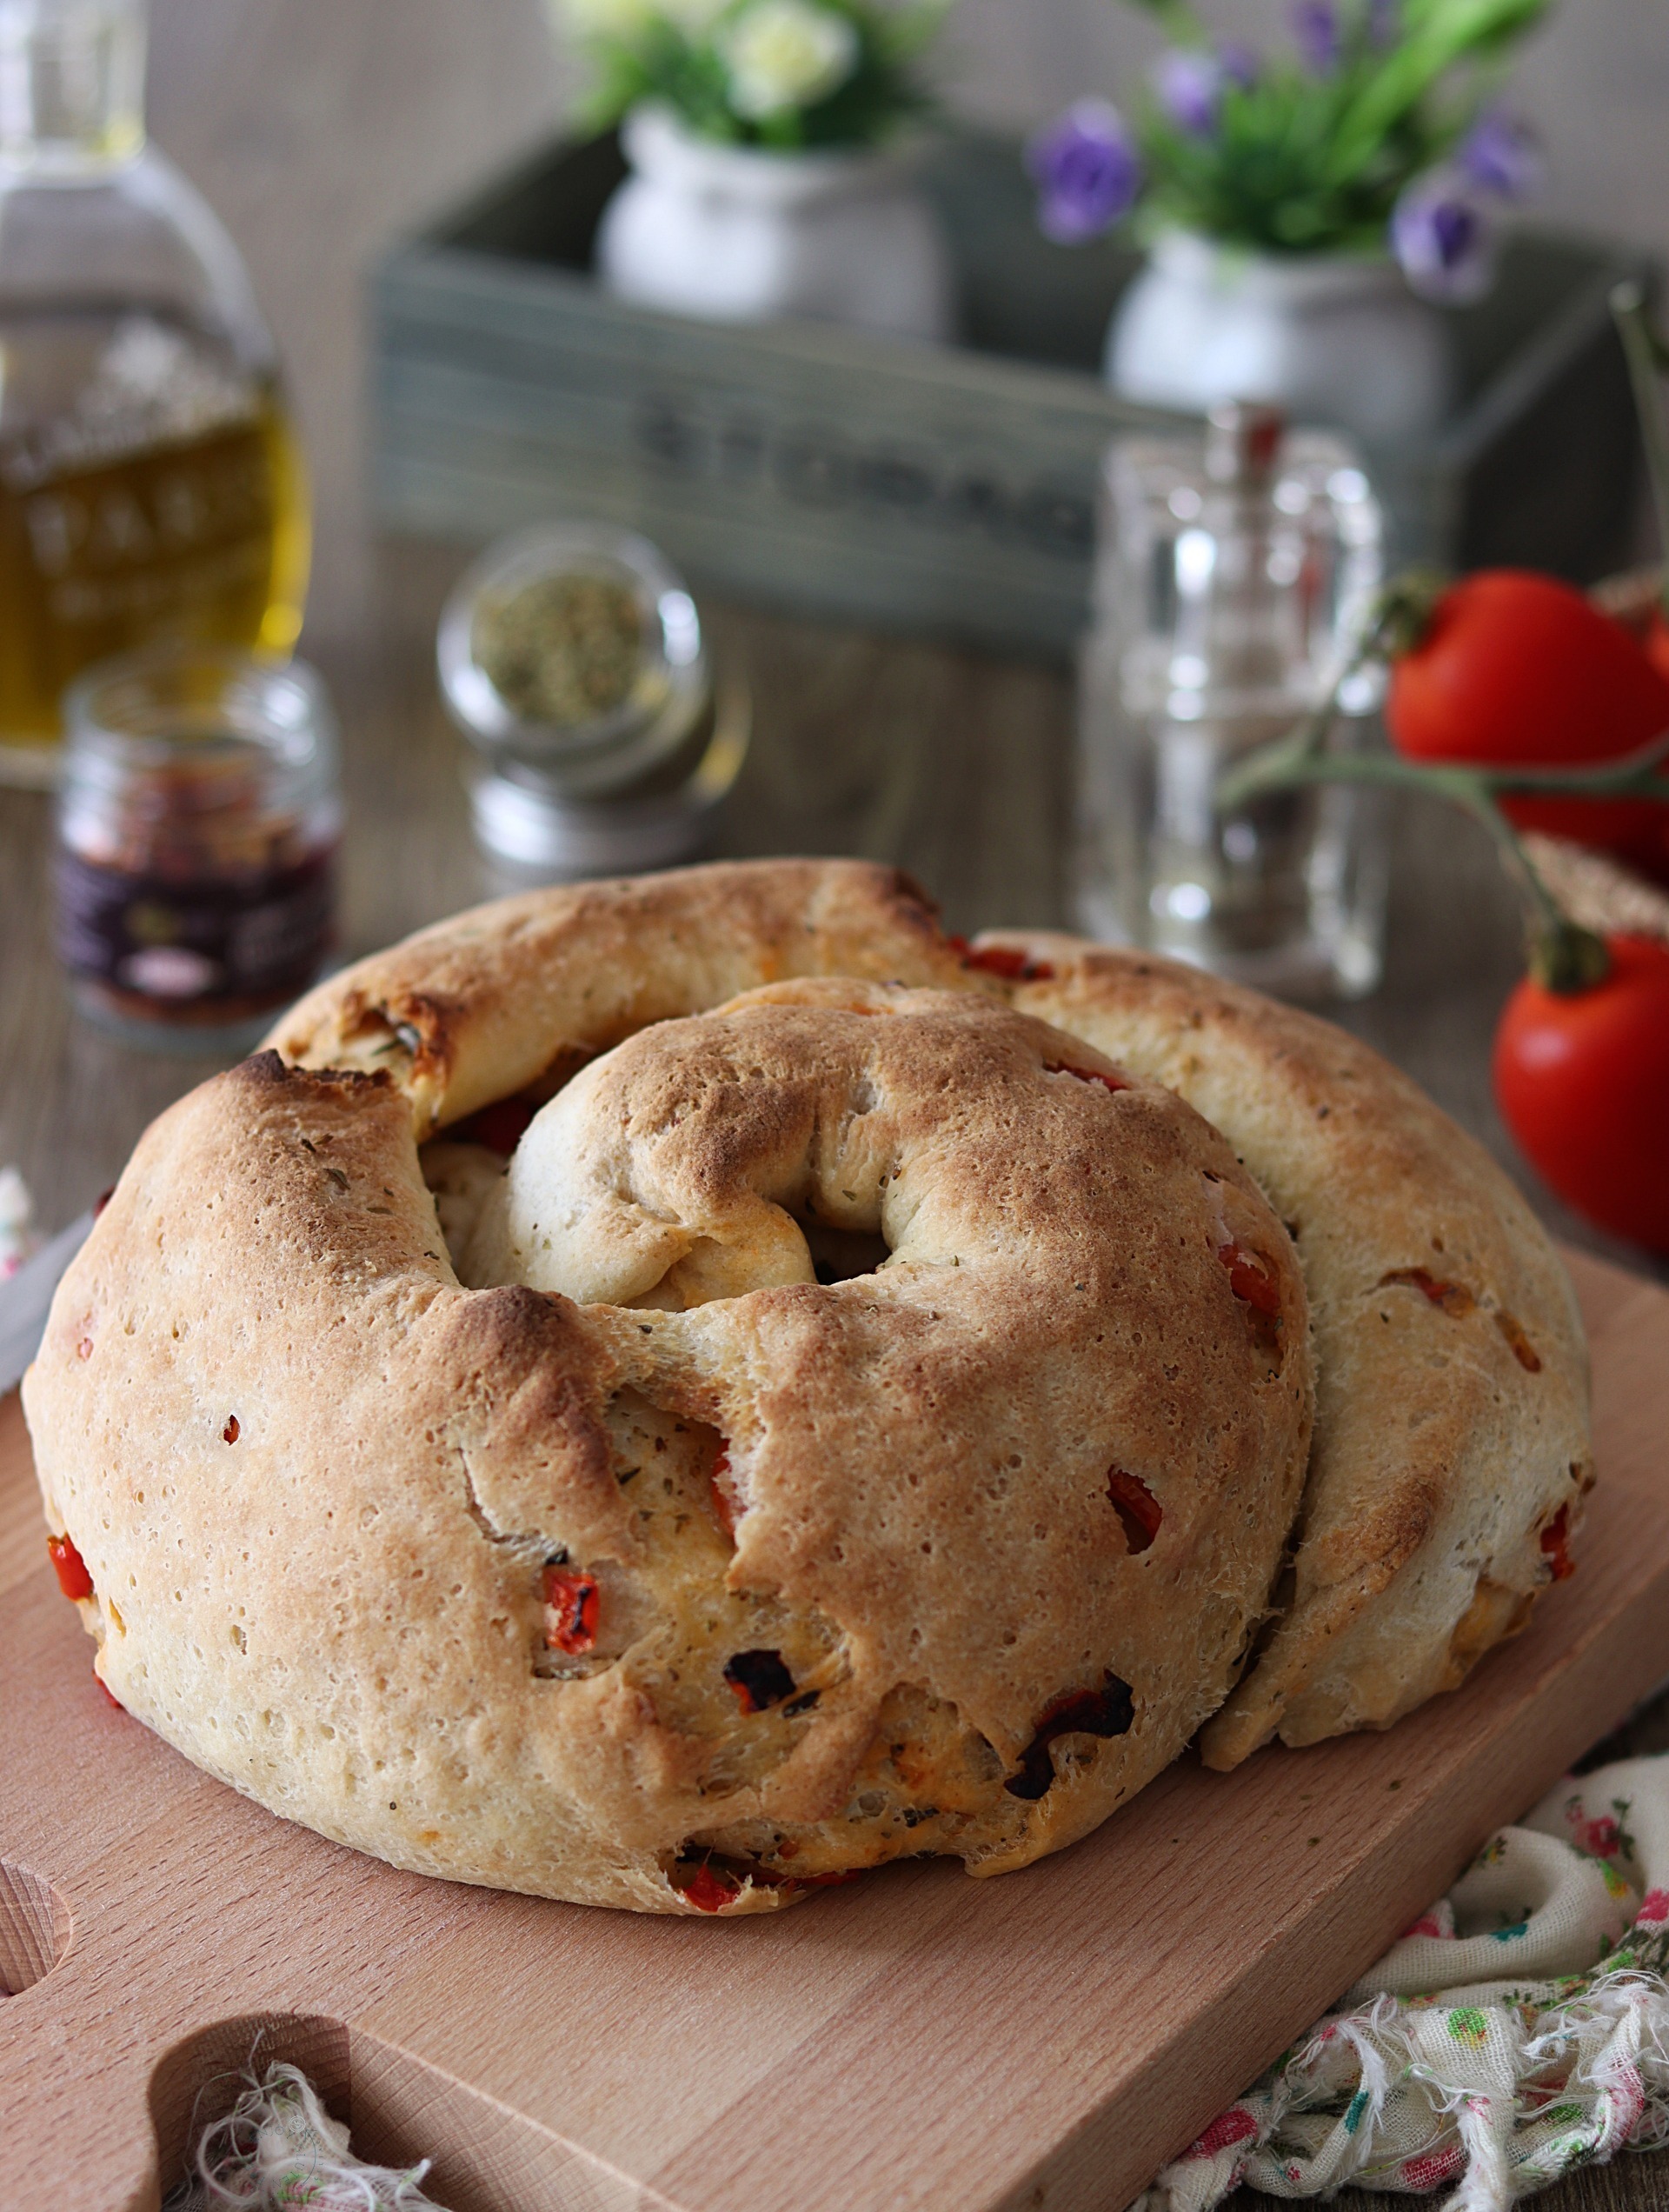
1335 338
738 235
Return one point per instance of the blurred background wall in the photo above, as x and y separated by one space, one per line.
320 127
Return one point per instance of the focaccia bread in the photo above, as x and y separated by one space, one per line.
668 1392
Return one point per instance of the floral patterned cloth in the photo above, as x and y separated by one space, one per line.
1520 2027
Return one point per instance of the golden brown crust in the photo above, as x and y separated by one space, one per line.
1053 1304
1451 1415
338 1605
320 1484
482 1006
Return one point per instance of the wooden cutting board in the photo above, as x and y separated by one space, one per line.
917 2039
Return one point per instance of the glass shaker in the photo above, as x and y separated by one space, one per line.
150 485
1235 572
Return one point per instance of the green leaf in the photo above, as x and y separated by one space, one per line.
1447 32
662 62
1303 164
1184 25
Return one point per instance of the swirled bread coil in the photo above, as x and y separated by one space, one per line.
669 1393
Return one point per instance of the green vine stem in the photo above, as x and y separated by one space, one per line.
1399 619
1563 956
1648 356
1294 759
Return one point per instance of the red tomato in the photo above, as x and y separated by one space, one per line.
1519 670
1582 1079
1657 651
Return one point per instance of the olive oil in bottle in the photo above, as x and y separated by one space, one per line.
150 486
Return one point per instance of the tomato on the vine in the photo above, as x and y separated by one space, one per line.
1582 1080
1516 669
1657 643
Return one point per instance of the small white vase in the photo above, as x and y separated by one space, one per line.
1334 339
734 235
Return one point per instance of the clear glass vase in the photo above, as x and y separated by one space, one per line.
1234 571
150 486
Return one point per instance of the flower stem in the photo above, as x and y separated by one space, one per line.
1178 18
1646 354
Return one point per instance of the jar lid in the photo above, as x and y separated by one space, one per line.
532 834
577 650
1243 441
217 725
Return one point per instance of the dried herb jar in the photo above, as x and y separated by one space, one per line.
199 816
573 659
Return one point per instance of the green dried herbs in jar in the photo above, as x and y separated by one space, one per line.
572 656
562 649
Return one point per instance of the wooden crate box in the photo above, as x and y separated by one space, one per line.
947 491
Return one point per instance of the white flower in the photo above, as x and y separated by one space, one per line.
786 54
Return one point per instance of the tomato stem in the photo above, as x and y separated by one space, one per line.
1293 759
1564 957
1403 613
1395 625
1640 775
1647 355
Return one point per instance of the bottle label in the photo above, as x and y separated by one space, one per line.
190 948
154 493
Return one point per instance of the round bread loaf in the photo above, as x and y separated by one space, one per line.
867 1415
1452 1447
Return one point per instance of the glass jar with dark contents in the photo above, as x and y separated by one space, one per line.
198 820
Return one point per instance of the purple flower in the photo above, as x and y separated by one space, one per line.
1239 64
1443 239
1315 28
1087 171
1500 155
1188 84
1383 23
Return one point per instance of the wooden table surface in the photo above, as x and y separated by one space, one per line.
953 765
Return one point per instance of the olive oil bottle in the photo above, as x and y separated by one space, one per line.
150 484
